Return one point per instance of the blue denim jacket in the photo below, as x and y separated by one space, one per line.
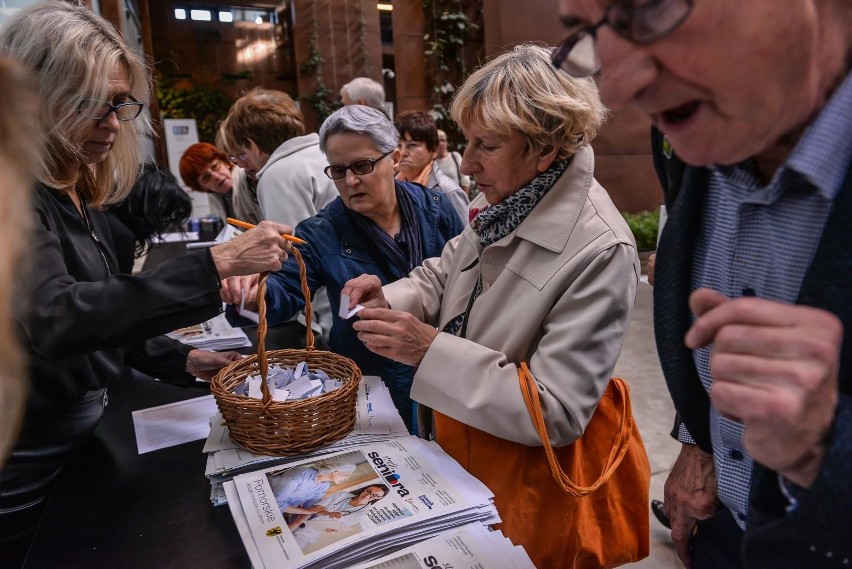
337 251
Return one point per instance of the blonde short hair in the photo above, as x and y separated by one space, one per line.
19 150
222 140
72 52
521 91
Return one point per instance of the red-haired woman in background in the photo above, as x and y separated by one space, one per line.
204 168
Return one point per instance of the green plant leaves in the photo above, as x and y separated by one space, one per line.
208 106
644 227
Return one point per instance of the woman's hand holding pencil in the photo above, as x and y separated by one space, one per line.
263 248
246 225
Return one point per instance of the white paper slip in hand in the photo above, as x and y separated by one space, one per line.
345 313
245 312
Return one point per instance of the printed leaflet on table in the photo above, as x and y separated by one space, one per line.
376 419
215 334
393 494
472 546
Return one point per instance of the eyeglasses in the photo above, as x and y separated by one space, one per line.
374 495
97 110
237 158
359 167
639 22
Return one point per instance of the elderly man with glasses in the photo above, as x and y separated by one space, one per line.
753 106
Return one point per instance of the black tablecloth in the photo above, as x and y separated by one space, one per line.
112 507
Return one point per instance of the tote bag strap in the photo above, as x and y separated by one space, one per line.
529 390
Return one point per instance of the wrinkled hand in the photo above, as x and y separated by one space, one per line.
394 334
204 364
690 495
365 290
775 370
255 251
234 287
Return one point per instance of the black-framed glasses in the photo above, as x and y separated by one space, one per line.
636 21
97 110
375 495
359 167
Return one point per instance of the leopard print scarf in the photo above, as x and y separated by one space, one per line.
497 221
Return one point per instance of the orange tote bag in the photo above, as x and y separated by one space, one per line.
584 505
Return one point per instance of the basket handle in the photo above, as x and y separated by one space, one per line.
262 359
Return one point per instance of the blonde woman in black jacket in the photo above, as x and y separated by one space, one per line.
79 319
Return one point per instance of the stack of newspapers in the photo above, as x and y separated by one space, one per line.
472 546
352 507
215 334
376 420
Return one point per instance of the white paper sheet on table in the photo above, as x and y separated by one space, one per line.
173 424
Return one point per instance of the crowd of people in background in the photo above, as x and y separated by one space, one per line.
469 264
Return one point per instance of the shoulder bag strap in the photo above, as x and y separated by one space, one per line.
616 453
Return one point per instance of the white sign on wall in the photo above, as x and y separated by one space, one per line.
180 135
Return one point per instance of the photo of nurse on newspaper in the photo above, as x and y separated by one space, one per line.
324 502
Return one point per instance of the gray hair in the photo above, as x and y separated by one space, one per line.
359 119
365 89
72 53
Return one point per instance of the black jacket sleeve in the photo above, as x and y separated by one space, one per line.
78 306
163 358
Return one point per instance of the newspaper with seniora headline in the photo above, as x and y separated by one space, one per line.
354 506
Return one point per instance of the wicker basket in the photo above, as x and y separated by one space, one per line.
281 428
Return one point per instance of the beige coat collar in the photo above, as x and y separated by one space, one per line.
550 223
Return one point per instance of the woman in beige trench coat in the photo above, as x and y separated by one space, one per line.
546 272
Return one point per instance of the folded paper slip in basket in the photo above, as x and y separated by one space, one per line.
583 505
280 428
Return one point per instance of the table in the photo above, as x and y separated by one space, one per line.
112 507
160 252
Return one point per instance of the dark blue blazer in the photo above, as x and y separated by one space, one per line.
337 251
817 533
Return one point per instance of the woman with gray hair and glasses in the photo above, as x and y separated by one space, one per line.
378 226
